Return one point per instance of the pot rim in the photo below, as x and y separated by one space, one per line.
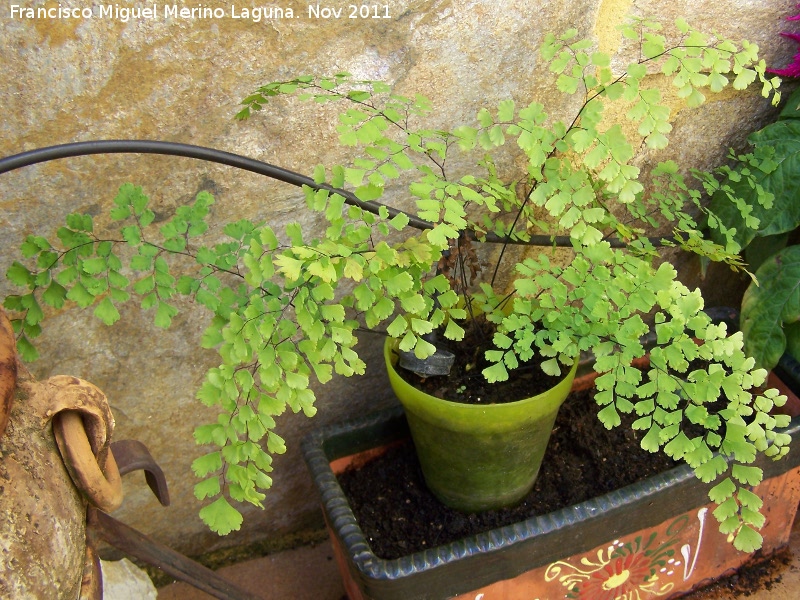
391 358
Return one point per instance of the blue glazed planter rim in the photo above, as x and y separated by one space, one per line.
320 448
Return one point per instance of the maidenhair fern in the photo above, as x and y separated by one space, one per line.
286 304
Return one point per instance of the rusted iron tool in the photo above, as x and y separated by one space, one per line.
130 456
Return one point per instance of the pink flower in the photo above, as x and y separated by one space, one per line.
793 69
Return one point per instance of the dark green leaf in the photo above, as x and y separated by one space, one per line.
104 248
761 248
20 275
47 260
79 222
13 302
770 305
783 182
27 351
792 333
29 248
792 108
55 295
35 314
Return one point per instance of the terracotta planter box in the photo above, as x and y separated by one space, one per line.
653 539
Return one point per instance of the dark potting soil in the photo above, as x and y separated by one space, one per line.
466 384
399 515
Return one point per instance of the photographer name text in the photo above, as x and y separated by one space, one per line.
199 12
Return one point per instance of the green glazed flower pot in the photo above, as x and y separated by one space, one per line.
478 457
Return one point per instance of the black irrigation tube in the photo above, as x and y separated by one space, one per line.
41 155
230 159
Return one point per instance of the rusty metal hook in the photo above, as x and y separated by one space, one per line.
133 455
102 487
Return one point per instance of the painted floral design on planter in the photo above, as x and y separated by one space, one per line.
631 570
618 574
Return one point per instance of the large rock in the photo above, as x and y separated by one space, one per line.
122 580
180 79
43 535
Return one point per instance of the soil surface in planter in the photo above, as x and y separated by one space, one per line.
399 515
466 383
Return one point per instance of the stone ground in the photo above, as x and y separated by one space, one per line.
310 573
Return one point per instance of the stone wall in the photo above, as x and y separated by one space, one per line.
180 79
